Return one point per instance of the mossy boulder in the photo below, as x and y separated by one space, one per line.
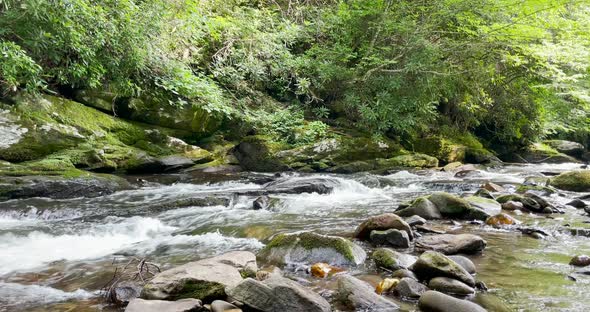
415 160
260 153
309 247
527 202
574 149
443 149
540 153
451 206
433 264
421 207
391 259
575 181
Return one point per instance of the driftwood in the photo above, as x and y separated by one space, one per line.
136 271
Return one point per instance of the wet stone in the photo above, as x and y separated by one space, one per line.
450 286
580 261
434 301
415 220
409 288
392 237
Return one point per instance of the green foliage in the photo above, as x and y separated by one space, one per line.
17 69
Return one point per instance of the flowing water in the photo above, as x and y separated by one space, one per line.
55 255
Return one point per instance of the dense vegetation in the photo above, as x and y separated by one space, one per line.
508 71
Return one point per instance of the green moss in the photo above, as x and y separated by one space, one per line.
384 258
575 181
409 160
443 149
310 240
521 189
202 290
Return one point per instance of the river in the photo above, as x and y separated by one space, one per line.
55 255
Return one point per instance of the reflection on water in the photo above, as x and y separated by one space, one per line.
56 254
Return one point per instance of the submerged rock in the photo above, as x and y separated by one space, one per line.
433 264
392 237
391 259
360 296
278 294
409 288
184 305
382 222
452 243
308 247
206 279
434 301
575 181
450 286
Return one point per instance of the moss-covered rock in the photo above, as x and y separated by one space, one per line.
443 149
451 206
539 153
574 149
421 207
415 160
309 247
575 181
260 153
392 260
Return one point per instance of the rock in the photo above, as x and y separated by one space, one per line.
452 243
124 293
434 301
500 220
575 181
421 207
382 222
360 296
580 261
540 153
206 279
484 194
528 203
401 273
455 207
386 285
452 166
323 270
450 286
184 305
223 306
171 163
259 153
464 262
392 237
415 220
490 206
492 187
442 148
577 203
410 288
433 264
567 147
263 202
319 185
308 247
277 294
512 205
415 160
391 259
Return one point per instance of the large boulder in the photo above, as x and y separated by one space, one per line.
277 294
309 247
360 296
206 279
539 153
574 149
298 185
434 301
415 160
259 153
452 206
433 264
527 202
450 244
443 149
575 181
382 222
489 206
184 305
421 207
391 259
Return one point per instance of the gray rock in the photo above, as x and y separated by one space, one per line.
415 220
433 264
580 261
206 279
421 207
451 206
410 288
392 237
278 294
391 259
184 305
484 194
401 273
360 296
450 244
434 301
450 286
320 185
577 203
512 205
263 202
309 247
465 263
382 222
570 148
222 306
490 206
124 293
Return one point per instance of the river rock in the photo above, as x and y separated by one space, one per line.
124 292
392 237
527 202
360 296
382 222
575 181
452 206
452 243
434 301
450 286
465 263
512 205
265 202
577 203
410 288
493 187
290 185
309 247
570 148
500 220
580 261
433 264
484 193
415 220
205 279
490 206
391 259
278 294
420 207
224 306
401 273
183 305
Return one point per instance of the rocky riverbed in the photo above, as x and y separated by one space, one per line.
460 239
